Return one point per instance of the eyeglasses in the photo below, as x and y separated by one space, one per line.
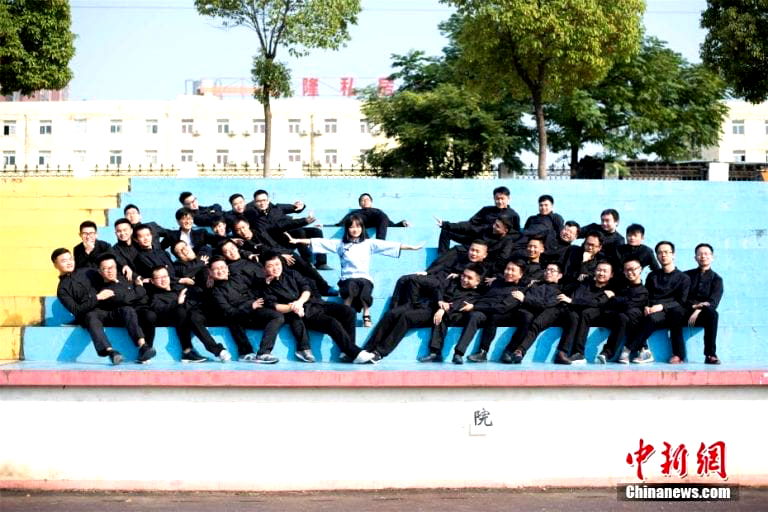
552 270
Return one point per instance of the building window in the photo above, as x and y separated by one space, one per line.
116 126
46 127
294 156
150 156
9 128
81 126
78 156
115 157
258 157
222 125
259 126
737 126
152 126
187 126
330 126
331 157
739 156
44 158
187 155
365 126
294 125
222 157
9 158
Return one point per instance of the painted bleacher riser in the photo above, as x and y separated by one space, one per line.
72 344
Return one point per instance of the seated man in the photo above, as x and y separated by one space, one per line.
533 257
634 248
124 250
581 261
500 300
189 265
287 292
612 239
701 306
133 214
373 217
546 223
237 202
128 305
149 255
239 302
203 215
77 292
568 234
502 242
233 256
620 314
200 240
273 219
667 293
465 232
447 295
179 306
88 251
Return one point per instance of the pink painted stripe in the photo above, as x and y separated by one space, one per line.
391 379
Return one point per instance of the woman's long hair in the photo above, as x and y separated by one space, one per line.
348 221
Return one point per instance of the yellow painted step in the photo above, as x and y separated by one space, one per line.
10 343
30 203
26 259
17 311
31 283
60 217
23 240
58 187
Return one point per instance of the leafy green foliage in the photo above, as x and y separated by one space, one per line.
36 45
736 45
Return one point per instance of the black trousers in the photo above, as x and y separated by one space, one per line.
304 250
520 318
359 289
302 267
95 321
410 288
708 319
549 317
437 337
239 336
187 321
461 232
669 318
393 327
618 323
335 320
267 320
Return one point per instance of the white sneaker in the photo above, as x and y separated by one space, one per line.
249 358
225 356
363 357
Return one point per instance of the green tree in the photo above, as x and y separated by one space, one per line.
36 45
539 50
736 45
298 25
656 103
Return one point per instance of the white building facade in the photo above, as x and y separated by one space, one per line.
744 136
186 133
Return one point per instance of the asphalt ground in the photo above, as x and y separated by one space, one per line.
442 500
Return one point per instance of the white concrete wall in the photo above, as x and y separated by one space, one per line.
279 439
753 142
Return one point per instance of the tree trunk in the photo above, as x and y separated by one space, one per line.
267 134
538 108
574 159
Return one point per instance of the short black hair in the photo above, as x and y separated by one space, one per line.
234 196
635 228
610 211
104 257
663 242
547 197
603 261
139 227
88 224
175 244
225 242
58 252
217 219
629 258
557 264
158 267
216 258
129 206
363 195
595 234
506 222
575 224
270 255
477 268
238 220
183 212
537 238
703 244
518 262
183 196
259 192
122 220
479 241
501 190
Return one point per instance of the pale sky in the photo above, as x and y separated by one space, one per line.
146 49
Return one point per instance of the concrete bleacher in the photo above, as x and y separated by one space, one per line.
400 423
723 214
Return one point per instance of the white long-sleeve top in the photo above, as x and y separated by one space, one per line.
356 257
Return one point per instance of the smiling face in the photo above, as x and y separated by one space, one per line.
185 222
230 252
273 268
633 271
477 253
608 223
635 238
88 235
243 230
191 203
238 205
569 233
219 270
704 257
512 273
501 200
184 252
545 207
603 273
470 279
534 249
133 216
123 232
65 263
161 279
108 270
355 230
552 274
143 238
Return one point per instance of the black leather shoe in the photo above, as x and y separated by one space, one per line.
431 358
517 357
478 357
506 358
561 358
457 359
